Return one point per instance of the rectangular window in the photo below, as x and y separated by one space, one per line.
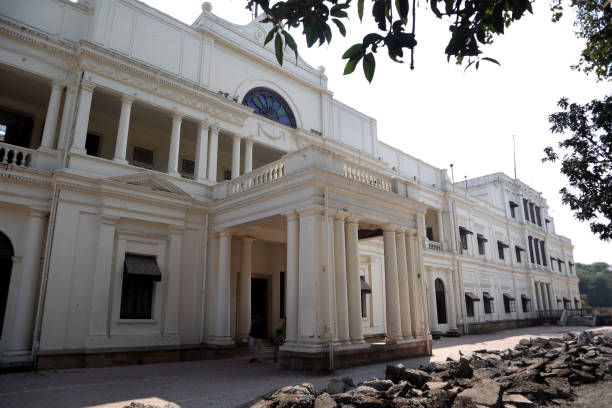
508 303
513 205
481 244
139 276
488 303
517 251
92 145
526 303
500 249
188 166
429 233
571 268
227 175
560 263
532 212
552 263
365 290
469 306
463 233
538 216
526 209
143 155
536 245
531 249
543 253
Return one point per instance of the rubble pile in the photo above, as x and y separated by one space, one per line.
537 372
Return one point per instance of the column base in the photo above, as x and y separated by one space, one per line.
78 150
174 174
120 161
46 149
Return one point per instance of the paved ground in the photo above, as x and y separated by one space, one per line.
210 383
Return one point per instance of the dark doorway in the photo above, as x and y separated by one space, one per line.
6 264
440 301
259 297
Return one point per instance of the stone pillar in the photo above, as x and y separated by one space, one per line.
342 316
412 282
65 125
353 281
212 154
433 307
549 294
452 312
394 326
543 300
123 130
441 229
235 156
211 286
222 329
171 315
244 321
538 302
82 120
19 339
175 142
201 152
403 285
48 136
99 321
248 156
292 276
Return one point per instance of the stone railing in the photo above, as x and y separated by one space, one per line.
364 175
264 175
15 155
436 246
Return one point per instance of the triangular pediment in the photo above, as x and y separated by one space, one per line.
151 181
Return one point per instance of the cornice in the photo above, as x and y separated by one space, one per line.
24 175
107 63
36 38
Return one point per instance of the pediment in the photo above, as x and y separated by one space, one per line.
151 181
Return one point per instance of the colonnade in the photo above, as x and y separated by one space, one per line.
207 142
545 296
308 282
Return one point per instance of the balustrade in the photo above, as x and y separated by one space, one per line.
15 155
366 176
264 175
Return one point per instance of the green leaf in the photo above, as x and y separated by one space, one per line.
491 60
371 39
434 8
278 46
351 64
341 27
328 33
360 9
270 36
369 65
291 43
402 8
353 51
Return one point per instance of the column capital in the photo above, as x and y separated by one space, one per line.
401 230
247 240
352 219
37 212
108 219
339 215
389 228
177 116
127 99
204 124
291 215
88 85
249 141
57 84
236 137
214 128
225 233
176 229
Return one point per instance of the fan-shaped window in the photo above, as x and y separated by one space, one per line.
269 104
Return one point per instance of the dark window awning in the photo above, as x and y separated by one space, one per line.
559 300
142 266
560 260
472 296
503 245
570 263
520 249
365 288
576 300
525 297
487 296
513 204
481 238
463 230
508 296
565 299
547 220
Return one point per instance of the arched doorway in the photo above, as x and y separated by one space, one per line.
6 264
440 301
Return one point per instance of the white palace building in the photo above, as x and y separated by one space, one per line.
161 183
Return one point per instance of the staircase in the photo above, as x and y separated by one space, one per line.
580 321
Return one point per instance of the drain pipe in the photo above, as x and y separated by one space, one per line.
50 234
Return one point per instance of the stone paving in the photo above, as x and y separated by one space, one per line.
211 383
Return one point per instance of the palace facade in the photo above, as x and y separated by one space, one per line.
162 183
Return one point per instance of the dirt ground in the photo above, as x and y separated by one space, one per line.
597 395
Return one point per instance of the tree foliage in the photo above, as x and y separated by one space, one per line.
595 284
586 161
472 24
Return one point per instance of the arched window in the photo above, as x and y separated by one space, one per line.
440 301
6 264
269 104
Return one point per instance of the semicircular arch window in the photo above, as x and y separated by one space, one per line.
269 104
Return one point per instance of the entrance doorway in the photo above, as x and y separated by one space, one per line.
6 264
440 301
259 298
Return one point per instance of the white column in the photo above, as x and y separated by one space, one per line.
549 294
171 315
19 339
538 302
212 259
65 125
244 321
175 142
543 300
394 329
100 306
431 303
404 287
441 229
82 120
201 152
235 156
222 329
248 156
452 312
342 316
292 294
353 280
48 136
212 154
412 284
123 129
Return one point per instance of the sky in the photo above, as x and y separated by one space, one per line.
442 114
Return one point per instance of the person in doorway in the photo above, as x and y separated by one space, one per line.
256 336
278 340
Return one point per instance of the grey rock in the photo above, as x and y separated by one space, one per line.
394 372
417 378
336 386
324 401
484 392
380 385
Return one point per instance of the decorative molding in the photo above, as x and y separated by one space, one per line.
39 40
150 180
